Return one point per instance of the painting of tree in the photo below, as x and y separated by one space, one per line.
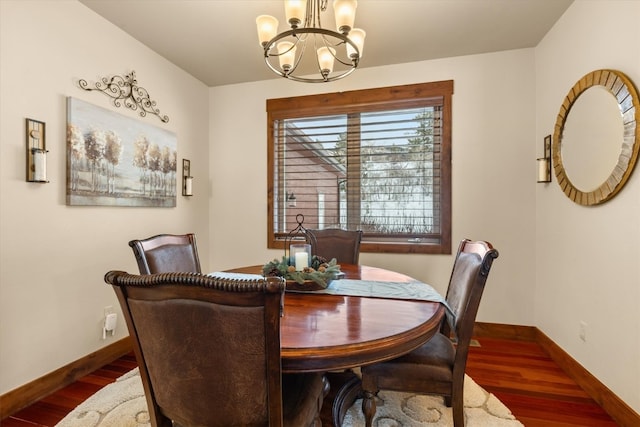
115 160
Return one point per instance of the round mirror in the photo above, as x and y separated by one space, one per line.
591 138
597 137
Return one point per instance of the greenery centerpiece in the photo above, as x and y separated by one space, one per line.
317 276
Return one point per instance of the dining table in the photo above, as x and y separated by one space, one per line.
322 332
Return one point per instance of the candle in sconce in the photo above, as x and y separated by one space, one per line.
543 170
302 260
39 165
188 183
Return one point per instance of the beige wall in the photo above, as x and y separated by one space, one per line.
559 263
493 170
588 259
53 257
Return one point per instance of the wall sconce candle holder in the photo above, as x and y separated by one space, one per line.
187 179
544 163
36 151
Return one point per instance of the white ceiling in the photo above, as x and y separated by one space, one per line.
216 40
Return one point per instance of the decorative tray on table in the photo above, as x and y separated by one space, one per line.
313 278
307 285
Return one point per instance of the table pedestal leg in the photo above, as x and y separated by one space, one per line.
348 389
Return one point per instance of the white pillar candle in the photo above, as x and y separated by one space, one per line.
188 184
40 165
302 261
543 170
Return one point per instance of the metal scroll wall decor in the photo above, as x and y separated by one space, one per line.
125 90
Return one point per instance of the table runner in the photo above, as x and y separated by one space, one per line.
413 290
235 276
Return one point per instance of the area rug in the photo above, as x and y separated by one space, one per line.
122 404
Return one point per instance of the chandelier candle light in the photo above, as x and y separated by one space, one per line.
307 35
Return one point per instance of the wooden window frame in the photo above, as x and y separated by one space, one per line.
406 96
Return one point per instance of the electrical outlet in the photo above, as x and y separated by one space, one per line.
110 320
583 331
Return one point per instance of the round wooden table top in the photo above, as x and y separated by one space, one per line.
322 332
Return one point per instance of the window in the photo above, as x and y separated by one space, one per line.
378 160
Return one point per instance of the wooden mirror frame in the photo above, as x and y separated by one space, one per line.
626 96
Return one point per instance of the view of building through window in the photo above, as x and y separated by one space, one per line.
392 170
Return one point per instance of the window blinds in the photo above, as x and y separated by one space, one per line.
377 171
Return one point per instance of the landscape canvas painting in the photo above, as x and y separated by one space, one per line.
115 160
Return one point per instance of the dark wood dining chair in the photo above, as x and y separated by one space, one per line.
165 253
343 245
209 351
438 367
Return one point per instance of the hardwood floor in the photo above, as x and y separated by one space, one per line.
519 373
532 386
50 410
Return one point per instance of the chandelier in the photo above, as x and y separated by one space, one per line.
307 52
